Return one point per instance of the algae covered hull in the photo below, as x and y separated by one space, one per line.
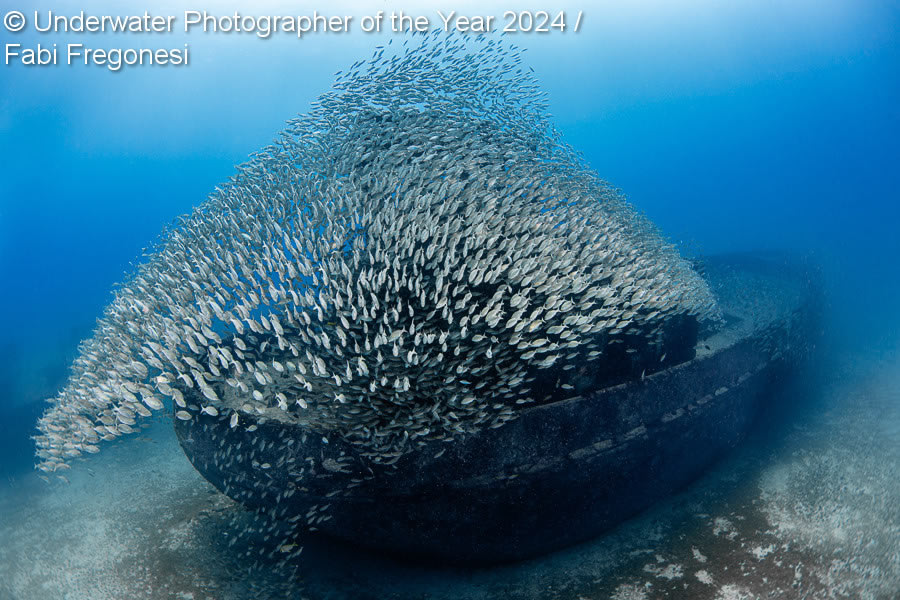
557 474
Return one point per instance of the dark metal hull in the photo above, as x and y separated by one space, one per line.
556 475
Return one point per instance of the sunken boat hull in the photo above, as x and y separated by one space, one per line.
559 473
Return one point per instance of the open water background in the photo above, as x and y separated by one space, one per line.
745 125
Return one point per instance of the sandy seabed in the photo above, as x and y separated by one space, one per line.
807 508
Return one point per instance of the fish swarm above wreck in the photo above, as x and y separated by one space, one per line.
411 260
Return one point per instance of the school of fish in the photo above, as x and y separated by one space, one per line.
400 265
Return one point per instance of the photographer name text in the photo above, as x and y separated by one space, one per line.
263 27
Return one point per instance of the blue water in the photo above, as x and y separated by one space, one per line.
739 125
746 127
735 126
